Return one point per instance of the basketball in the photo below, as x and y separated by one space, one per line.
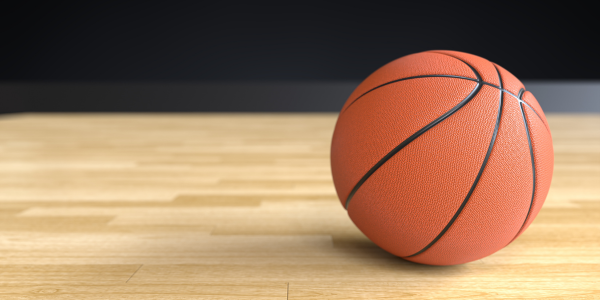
442 157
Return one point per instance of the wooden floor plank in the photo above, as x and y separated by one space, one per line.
242 206
198 290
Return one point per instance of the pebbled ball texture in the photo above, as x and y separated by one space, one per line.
442 157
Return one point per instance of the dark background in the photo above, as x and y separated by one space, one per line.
179 56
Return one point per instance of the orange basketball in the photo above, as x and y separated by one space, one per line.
442 157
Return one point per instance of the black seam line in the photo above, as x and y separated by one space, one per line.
403 79
535 112
479 79
532 168
410 139
451 76
479 174
415 135
520 99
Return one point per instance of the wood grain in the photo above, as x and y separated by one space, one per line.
242 206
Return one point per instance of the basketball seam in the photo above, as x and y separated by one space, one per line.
403 79
415 135
448 76
532 169
535 112
479 174
521 92
521 101
407 141
447 114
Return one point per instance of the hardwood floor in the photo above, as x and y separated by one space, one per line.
242 206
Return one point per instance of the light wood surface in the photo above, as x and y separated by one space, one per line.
242 206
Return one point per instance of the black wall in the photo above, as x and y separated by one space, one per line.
282 40
204 41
